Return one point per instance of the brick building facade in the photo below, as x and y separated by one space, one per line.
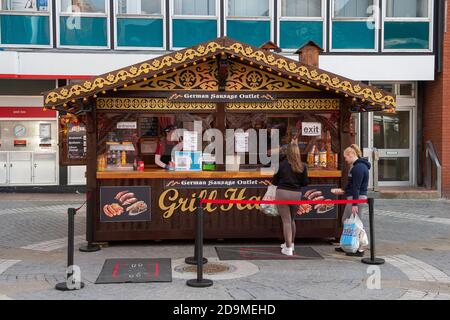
436 113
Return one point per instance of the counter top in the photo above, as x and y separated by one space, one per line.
155 173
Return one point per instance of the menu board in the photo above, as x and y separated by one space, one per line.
127 203
319 211
148 126
241 141
76 141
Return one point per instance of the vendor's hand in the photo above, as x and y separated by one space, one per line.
171 164
337 191
355 210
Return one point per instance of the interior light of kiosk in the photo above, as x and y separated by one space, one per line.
125 85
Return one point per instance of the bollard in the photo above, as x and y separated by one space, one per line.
372 259
69 284
199 282
193 260
90 247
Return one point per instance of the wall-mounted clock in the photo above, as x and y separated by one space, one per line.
20 130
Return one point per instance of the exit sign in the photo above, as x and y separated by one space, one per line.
311 129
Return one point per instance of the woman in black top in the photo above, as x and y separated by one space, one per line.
290 178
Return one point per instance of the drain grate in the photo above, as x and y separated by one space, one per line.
209 268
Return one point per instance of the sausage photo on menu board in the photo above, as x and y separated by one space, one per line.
125 204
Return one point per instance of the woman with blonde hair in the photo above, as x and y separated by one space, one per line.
356 189
289 179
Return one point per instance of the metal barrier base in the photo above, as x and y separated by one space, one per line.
90 248
199 284
375 261
62 286
193 260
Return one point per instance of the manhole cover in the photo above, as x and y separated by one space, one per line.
209 268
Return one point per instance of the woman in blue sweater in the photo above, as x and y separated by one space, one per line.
356 189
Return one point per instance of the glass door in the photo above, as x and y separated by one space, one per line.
392 135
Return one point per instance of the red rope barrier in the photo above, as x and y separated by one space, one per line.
221 201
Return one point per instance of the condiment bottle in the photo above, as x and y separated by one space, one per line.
316 157
310 160
323 157
123 158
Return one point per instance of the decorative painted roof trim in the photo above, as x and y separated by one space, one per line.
274 62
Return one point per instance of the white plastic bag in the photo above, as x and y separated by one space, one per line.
363 239
350 235
270 209
354 236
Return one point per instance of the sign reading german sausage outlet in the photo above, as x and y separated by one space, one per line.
221 97
121 204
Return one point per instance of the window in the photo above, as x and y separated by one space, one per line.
249 21
200 17
140 7
301 21
195 7
139 24
301 8
248 8
407 8
25 23
24 5
93 6
353 25
83 23
407 25
352 8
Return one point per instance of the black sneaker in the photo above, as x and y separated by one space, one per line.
356 254
339 249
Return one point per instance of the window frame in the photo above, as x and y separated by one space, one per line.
375 19
322 19
140 16
270 18
48 13
84 15
216 17
429 19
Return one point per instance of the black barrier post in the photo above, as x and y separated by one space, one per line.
199 282
372 259
71 282
193 260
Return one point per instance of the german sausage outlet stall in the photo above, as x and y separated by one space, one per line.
115 124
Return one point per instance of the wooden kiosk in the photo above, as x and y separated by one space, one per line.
225 84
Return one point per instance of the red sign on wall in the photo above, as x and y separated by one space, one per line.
26 112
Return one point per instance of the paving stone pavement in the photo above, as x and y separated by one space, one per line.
413 236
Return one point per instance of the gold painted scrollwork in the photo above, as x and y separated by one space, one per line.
150 104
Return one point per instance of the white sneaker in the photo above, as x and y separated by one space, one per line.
284 246
287 251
